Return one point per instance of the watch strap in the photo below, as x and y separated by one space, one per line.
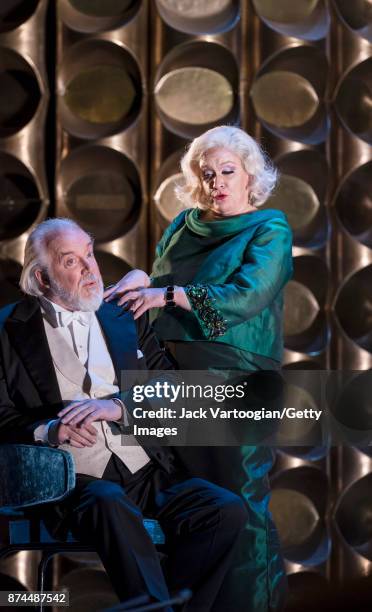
169 297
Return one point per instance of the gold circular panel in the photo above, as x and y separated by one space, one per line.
311 271
301 191
100 89
285 11
95 15
20 202
354 100
197 82
354 514
111 267
354 204
297 199
101 189
198 16
299 505
195 9
308 165
354 308
295 431
284 99
295 516
355 392
22 98
185 95
301 19
168 205
97 8
101 193
288 94
15 12
357 15
305 325
101 94
300 308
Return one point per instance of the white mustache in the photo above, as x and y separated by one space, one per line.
88 279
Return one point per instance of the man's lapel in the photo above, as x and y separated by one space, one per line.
120 333
27 334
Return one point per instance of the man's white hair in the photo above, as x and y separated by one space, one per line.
253 158
36 252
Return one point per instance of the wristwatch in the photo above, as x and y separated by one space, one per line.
169 297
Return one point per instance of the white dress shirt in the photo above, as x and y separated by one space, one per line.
82 334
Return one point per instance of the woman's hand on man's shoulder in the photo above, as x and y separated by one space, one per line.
133 280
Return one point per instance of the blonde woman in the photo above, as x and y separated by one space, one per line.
216 297
216 287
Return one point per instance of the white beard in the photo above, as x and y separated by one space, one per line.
74 301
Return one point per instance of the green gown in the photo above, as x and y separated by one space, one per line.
233 271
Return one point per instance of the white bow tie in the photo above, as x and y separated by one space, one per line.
65 318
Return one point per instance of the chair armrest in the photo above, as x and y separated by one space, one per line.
33 475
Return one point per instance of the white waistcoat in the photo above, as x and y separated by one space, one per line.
75 384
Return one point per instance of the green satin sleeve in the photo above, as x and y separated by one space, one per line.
267 266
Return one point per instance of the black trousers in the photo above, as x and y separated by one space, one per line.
200 520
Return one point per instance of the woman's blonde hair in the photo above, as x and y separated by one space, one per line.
254 161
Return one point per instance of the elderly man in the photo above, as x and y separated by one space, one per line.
62 351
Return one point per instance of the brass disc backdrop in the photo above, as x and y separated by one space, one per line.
132 83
